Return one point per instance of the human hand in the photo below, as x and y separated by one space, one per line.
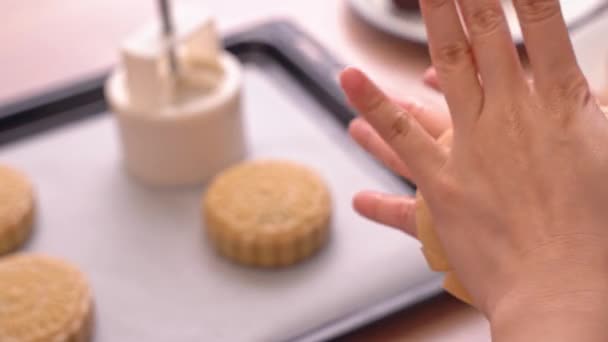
389 209
518 201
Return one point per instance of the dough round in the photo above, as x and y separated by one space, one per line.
16 209
267 213
431 245
43 299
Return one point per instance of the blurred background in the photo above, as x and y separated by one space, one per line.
51 43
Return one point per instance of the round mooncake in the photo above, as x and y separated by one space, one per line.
43 299
268 213
16 209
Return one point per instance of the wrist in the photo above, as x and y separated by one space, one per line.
552 313
554 294
556 324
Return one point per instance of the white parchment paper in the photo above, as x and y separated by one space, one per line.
154 276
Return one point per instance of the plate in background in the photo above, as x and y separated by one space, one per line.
154 276
410 26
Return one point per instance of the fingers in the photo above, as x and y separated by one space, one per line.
548 45
396 126
453 61
434 122
495 54
365 135
391 210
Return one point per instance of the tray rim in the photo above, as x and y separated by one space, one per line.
84 98
273 39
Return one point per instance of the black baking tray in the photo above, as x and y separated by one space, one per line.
304 59
310 64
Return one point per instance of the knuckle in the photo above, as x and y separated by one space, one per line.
375 104
573 90
400 127
567 98
415 109
405 211
486 20
532 11
452 55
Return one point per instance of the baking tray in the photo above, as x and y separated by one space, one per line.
154 276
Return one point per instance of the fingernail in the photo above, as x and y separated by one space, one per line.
351 79
361 201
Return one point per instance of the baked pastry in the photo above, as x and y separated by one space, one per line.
409 5
268 213
16 209
431 246
43 299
